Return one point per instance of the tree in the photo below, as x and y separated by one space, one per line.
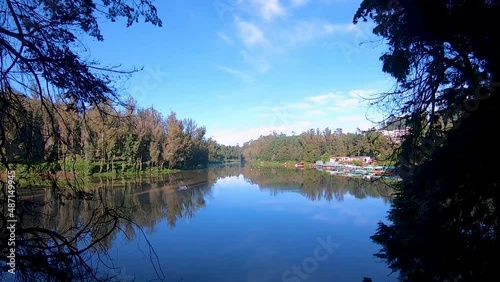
157 138
445 217
174 142
42 60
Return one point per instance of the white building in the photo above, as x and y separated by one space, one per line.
396 135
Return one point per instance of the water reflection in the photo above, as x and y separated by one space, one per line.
315 185
148 201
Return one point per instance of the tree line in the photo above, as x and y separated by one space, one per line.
125 138
107 138
313 145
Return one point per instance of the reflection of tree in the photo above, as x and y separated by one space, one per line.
315 185
131 205
148 201
144 201
59 238
228 170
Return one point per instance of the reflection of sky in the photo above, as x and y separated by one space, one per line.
247 234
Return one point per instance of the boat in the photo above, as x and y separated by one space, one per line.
183 187
389 171
371 177
300 165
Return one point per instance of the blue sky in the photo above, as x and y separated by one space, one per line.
243 68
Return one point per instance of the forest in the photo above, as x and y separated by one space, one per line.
128 138
313 145
107 139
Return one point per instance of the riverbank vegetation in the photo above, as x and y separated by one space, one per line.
127 139
104 139
313 145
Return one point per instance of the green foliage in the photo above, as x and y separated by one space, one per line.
218 153
325 158
357 162
114 141
80 165
314 145
444 223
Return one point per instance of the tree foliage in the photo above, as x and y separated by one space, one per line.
443 55
112 140
313 145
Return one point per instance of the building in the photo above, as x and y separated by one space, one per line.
347 160
396 135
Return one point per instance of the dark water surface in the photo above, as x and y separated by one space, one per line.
245 224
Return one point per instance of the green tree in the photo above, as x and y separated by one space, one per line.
174 142
158 137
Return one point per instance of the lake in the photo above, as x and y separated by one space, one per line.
239 224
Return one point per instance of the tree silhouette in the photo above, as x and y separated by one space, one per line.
45 82
445 217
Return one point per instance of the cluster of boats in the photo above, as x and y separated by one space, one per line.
365 172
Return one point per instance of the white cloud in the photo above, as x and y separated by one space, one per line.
299 106
260 40
310 30
263 39
250 34
342 102
315 112
355 121
268 9
258 108
333 110
345 104
296 124
323 99
241 75
265 115
233 137
287 106
351 118
330 2
333 28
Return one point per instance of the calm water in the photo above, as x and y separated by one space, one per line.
243 224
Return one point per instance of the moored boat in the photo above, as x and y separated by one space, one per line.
299 165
